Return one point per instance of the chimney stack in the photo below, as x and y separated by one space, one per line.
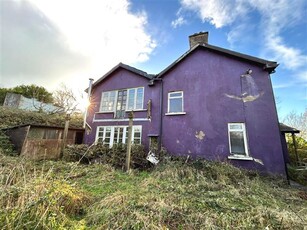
198 38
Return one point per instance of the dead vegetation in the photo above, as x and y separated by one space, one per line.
174 195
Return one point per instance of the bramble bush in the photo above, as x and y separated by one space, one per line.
115 156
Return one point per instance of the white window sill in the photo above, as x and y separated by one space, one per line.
238 157
174 114
137 110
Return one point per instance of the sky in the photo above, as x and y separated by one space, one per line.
47 42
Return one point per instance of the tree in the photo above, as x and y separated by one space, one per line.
298 121
29 91
34 91
3 92
65 99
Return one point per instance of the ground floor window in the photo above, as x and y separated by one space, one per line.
237 139
110 135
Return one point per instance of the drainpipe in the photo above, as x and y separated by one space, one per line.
161 116
152 83
88 99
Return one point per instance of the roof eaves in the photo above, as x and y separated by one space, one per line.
124 66
267 65
177 61
287 129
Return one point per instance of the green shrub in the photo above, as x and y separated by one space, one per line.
12 117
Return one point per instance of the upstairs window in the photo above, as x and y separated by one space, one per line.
237 139
135 99
108 101
175 102
113 101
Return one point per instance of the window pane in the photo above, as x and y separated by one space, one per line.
137 141
108 100
175 105
139 98
237 143
175 94
235 126
131 96
99 140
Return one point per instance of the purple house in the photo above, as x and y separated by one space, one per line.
211 102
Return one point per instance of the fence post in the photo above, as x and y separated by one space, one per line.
65 135
128 157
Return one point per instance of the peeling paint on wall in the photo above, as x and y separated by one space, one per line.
177 141
200 135
249 89
246 98
258 161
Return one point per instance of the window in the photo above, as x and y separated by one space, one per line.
122 101
110 135
175 102
237 139
135 99
108 101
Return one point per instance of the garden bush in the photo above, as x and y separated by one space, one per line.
115 156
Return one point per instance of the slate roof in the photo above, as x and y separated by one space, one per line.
287 129
267 65
126 67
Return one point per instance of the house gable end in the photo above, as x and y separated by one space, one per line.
122 66
265 64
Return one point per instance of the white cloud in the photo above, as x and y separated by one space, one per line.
302 76
104 31
178 22
275 17
218 12
283 86
290 57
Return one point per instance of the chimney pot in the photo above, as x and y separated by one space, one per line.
198 38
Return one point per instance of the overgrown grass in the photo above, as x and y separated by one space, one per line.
174 195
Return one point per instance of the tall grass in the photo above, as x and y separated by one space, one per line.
32 198
174 195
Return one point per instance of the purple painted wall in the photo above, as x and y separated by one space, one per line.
212 86
211 83
123 79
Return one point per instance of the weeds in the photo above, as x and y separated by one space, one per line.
32 198
174 195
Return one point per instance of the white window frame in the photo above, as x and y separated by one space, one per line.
135 99
176 97
127 101
114 103
243 129
125 128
